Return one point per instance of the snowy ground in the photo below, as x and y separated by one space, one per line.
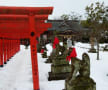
17 74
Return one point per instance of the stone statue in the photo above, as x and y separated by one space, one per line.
60 68
60 50
75 65
79 78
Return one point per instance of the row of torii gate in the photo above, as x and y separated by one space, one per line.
22 23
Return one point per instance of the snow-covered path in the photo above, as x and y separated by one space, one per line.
17 74
43 77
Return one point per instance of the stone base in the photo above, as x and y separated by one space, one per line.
81 83
105 49
61 61
44 56
60 68
57 76
48 61
92 51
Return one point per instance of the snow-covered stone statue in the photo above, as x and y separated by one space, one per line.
58 51
79 78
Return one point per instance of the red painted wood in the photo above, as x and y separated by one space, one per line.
19 31
21 17
4 51
8 50
1 52
20 27
23 23
34 53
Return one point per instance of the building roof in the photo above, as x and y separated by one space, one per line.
63 25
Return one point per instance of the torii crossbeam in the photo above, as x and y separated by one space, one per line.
24 22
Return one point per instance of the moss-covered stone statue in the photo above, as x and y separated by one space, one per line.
81 81
60 68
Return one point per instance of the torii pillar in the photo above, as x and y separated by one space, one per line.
34 52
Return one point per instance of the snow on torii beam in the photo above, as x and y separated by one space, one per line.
29 13
26 10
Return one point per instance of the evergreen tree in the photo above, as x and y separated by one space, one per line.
96 19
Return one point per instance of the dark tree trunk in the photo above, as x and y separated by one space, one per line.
97 49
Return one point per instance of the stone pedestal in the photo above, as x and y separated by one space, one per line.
81 83
49 60
106 48
60 69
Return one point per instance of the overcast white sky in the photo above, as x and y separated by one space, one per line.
60 6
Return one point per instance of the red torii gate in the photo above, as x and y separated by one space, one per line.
19 23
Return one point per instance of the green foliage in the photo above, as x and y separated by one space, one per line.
105 20
97 17
75 16
71 16
85 24
65 17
